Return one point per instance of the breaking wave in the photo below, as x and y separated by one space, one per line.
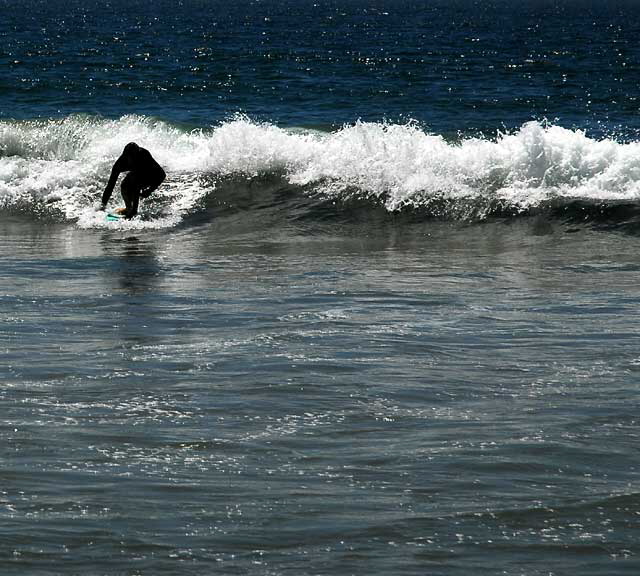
58 168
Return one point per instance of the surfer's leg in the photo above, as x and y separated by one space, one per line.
130 189
133 209
150 185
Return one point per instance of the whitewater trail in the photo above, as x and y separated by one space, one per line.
61 166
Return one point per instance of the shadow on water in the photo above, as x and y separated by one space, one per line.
621 217
269 203
134 266
132 274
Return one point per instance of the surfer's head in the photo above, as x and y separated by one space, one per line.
131 150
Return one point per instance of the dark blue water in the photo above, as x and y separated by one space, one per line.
381 318
452 65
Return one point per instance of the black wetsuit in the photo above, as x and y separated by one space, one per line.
145 175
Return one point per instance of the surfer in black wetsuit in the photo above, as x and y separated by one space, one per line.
145 175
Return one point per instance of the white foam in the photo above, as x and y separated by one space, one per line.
407 166
65 164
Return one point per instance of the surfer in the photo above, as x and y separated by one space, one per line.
145 175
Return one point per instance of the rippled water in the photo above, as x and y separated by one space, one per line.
380 318
442 398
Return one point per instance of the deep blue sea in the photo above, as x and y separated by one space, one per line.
381 319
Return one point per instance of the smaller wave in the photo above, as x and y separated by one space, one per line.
60 167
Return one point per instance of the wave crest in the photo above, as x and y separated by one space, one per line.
65 163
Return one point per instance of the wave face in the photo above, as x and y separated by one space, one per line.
58 168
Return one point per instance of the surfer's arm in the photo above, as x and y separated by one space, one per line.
115 172
110 185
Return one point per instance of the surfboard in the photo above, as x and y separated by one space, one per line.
117 214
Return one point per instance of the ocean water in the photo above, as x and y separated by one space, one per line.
381 318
